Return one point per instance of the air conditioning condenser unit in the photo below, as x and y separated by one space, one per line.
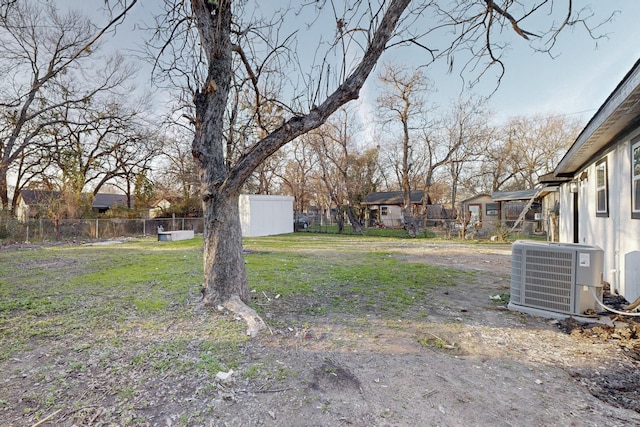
555 279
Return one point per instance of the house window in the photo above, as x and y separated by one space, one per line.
635 180
602 192
383 211
492 209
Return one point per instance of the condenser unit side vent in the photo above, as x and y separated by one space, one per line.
516 275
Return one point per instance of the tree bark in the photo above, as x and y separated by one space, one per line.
4 190
553 226
354 220
225 274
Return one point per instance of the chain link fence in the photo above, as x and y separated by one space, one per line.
38 230
13 230
438 228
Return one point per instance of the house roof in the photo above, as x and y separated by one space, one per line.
391 198
44 197
551 178
38 197
102 200
620 112
476 197
502 196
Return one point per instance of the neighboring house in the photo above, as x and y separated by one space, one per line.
170 206
512 204
386 207
599 181
103 202
480 211
159 208
486 212
32 203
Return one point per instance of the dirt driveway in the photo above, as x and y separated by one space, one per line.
470 362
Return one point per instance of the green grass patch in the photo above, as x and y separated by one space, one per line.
70 291
123 314
346 274
140 288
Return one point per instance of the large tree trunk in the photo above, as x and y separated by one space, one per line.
354 220
224 272
225 277
225 280
4 190
340 219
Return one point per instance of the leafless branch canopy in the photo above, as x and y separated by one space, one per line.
287 65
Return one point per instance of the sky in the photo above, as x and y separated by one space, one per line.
582 75
575 82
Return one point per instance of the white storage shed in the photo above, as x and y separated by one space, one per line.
265 215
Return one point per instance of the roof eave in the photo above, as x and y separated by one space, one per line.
620 110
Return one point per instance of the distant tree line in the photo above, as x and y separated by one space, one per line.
69 123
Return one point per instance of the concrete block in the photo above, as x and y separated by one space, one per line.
175 235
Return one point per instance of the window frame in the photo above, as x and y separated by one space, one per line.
492 209
601 165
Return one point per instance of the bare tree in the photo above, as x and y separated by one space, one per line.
496 166
347 170
175 177
466 134
42 50
523 149
403 103
103 141
32 170
131 166
266 178
204 36
216 24
540 142
296 171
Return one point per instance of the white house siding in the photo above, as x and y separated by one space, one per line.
264 215
488 222
393 218
22 210
618 234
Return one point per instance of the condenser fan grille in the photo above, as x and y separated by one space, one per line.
548 278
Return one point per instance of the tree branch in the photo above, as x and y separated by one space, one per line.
491 5
347 91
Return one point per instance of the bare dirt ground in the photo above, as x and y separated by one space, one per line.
468 362
471 362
